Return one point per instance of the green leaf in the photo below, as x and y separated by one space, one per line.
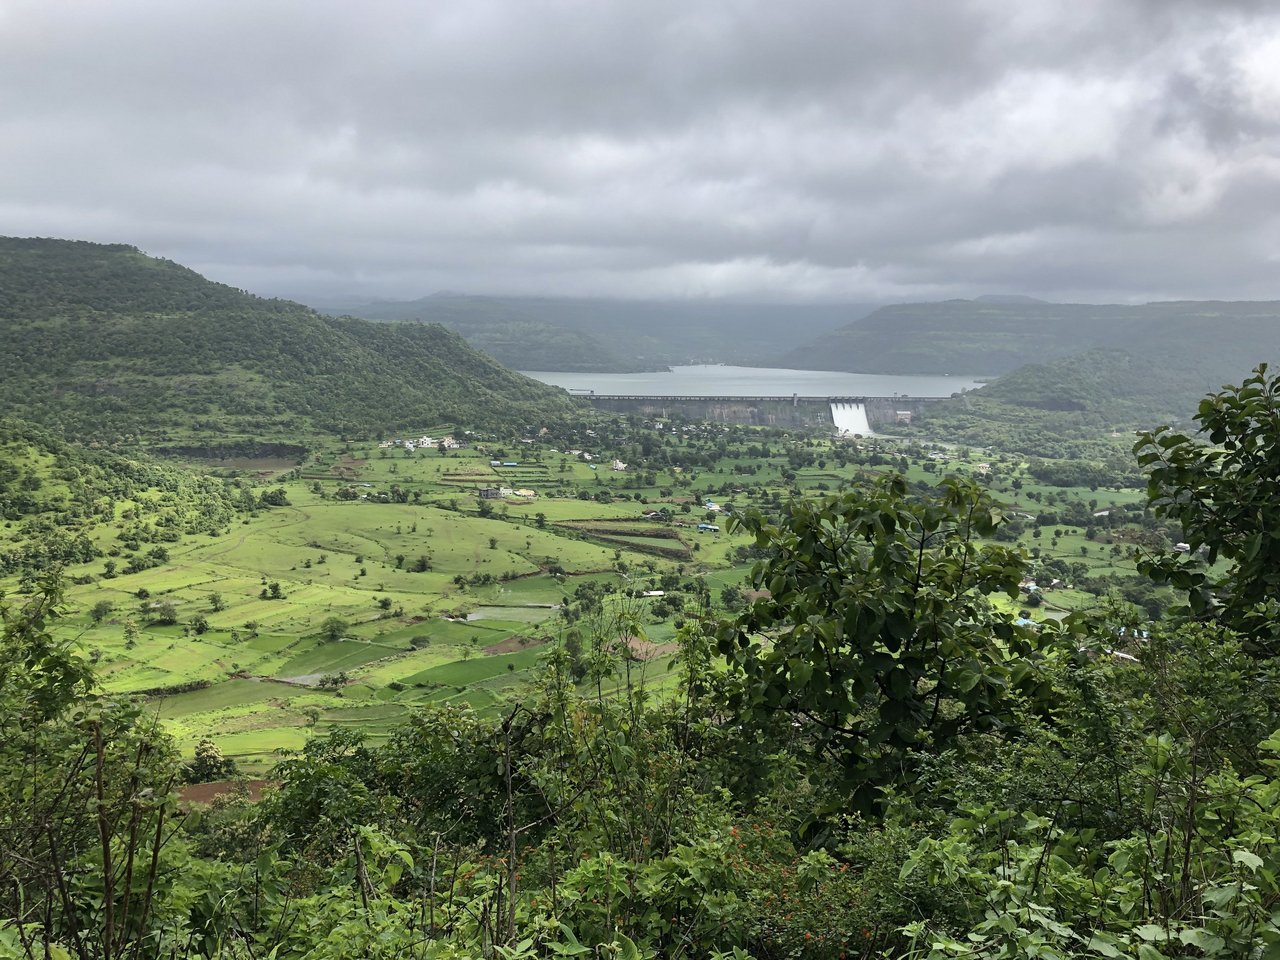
1246 858
1102 947
1202 939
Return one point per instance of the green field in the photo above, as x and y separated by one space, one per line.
444 596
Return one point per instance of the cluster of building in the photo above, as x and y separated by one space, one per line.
501 493
586 457
424 443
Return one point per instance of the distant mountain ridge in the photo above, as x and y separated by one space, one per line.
100 340
593 335
1211 341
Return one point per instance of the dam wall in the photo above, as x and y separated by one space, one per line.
807 413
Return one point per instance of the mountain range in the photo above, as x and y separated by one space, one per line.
1208 342
616 336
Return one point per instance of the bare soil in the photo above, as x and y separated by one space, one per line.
206 793
512 644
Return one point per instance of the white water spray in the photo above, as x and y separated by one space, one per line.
851 418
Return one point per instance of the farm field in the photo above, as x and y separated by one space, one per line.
377 579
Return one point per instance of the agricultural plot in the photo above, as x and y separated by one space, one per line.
436 603
660 540
443 597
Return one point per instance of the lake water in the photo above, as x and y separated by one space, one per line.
724 381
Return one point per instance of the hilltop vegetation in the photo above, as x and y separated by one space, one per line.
1187 348
617 336
1073 407
103 342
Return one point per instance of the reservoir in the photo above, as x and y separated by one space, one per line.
715 380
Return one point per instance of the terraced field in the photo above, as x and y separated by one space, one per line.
443 597
468 626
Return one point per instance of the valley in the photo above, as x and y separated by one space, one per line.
446 598
336 592
640 481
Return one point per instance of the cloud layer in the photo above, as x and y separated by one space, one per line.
1103 149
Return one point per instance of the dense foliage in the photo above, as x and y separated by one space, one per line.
55 496
1222 493
102 342
876 633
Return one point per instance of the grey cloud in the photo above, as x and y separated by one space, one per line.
1102 150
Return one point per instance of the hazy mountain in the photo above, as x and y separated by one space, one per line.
618 336
1207 343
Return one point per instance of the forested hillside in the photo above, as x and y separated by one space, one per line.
1201 344
54 496
102 341
1066 408
617 336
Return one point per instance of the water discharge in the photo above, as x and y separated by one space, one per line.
851 418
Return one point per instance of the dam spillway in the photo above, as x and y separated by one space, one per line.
850 417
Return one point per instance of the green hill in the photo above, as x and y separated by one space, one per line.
618 336
1096 381
1207 343
54 495
103 341
511 333
1074 407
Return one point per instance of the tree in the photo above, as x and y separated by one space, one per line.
84 790
334 628
130 633
274 498
163 612
101 610
216 603
731 597
1223 494
199 624
877 637
209 764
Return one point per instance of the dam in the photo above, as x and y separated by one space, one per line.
847 415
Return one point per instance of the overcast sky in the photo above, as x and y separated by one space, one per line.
852 150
